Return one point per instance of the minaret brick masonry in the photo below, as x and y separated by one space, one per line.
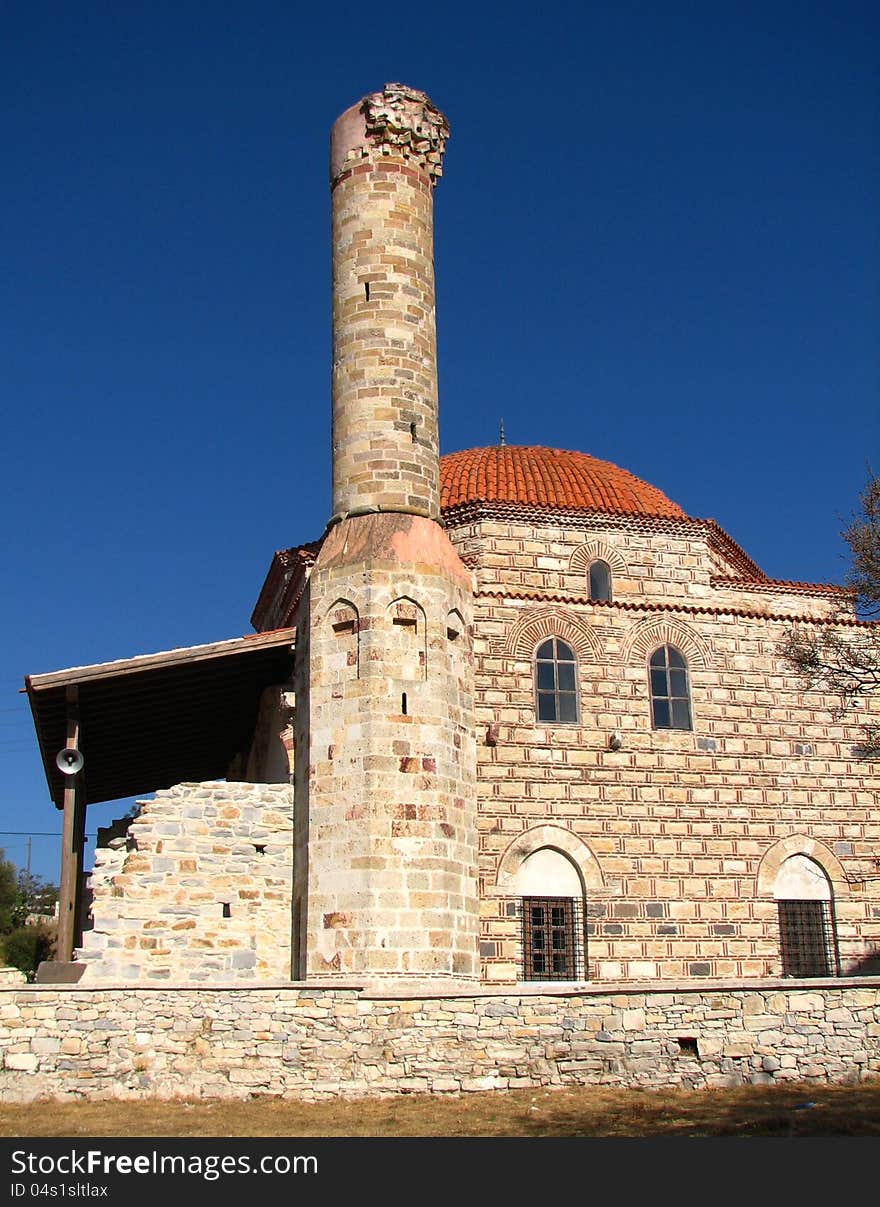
385 881
385 155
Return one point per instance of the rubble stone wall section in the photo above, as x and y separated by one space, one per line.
312 1043
199 889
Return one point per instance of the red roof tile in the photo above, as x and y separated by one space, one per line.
547 477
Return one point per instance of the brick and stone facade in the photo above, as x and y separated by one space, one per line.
678 835
386 836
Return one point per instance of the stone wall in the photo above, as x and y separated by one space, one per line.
199 889
312 1042
677 834
385 860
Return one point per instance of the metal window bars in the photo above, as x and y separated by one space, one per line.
808 939
554 939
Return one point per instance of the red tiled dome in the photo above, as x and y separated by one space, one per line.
547 477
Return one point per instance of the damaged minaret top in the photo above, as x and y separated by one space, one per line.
398 120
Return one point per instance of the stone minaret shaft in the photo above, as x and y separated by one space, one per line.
385 767
385 154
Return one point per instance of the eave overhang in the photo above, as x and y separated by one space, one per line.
159 719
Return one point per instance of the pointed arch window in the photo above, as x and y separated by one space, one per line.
807 927
599 578
554 936
670 689
556 682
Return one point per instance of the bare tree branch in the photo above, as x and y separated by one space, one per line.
863 538
846 663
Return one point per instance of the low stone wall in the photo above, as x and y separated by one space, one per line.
311 1042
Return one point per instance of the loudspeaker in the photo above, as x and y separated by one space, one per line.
69 761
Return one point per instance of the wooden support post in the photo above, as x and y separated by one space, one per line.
79 842
71 851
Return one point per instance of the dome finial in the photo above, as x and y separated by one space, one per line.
501 440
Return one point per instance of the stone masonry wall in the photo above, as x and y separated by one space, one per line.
385 877
311 1042
200 889
678 834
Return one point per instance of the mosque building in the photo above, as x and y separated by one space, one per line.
513 717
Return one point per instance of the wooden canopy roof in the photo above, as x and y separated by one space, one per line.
159 719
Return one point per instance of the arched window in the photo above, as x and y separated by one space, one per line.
405 650
670 693
807 933
556 682
341 658
554 937
600 582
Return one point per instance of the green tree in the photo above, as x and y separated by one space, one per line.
844 661
26 947
8 893
23 895
34 895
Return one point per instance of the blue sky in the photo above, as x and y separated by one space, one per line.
656 241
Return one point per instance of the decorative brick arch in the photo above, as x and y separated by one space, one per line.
557 839
455 625
799 844
536 626
459 638
343 611
405 639
648 634
597 551
342 653
404 607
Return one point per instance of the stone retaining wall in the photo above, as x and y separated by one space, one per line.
309 1042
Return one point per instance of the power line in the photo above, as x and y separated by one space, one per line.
30 834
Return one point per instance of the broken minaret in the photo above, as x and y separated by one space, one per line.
385 811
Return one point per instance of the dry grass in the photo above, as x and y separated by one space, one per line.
787 1110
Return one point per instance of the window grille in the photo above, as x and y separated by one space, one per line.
554 940
807 939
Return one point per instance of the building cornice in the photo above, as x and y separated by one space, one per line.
715 536
283 587
780 586
684 609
